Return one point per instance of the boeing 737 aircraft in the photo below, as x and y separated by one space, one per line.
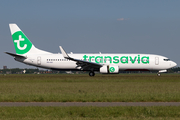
27 53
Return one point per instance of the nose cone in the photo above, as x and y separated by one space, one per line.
173 64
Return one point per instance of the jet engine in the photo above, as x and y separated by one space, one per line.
109 69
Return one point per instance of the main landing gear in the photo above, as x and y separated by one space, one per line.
91 73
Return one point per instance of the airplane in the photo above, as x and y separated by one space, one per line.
27 53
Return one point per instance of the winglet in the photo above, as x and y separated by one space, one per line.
65 55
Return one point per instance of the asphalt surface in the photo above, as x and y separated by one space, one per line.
98 104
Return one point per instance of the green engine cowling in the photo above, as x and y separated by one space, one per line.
109 69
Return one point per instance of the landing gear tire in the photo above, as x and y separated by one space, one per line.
158 74
91 74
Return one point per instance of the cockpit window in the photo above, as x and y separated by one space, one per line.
166 59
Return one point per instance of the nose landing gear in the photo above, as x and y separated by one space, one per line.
158 74
161 71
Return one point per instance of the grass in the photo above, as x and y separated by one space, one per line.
89 113
82 88
63 88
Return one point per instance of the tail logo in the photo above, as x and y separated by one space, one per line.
21 43
18 43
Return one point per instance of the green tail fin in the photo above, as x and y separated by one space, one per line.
21 42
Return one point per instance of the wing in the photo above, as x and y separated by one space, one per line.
84 65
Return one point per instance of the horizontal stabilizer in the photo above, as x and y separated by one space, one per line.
15 55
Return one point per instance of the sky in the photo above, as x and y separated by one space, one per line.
93 26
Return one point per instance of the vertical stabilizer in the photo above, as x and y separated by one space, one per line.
21 43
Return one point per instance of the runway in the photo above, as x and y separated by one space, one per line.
97 104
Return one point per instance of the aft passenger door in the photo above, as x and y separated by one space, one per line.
39 60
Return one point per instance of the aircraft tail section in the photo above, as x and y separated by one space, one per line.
22 44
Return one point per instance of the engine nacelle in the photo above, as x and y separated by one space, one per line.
109 69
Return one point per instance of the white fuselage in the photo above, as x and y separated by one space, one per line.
124 61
